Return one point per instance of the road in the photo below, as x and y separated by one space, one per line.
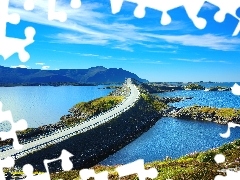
62 134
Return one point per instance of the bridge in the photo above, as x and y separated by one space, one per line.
62 134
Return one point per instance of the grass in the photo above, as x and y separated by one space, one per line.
154 101
228 114
83 110
194 166
194 87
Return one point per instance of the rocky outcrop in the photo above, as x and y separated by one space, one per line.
160 88
174 99
203 113
218 88
194 87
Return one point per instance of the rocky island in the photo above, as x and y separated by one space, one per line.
204 113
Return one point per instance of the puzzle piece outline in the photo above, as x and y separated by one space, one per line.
66 164
192 9
220 158
20 125
9 45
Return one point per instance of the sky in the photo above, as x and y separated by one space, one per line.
93 36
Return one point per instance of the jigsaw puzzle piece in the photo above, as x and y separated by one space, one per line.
229 7
9 46
85 174
192 9
15 126
29 5
28 171
55 15
6 163
6 18
161 5
66 166
75 4
137 167
230 125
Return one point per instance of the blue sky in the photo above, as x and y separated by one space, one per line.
93 36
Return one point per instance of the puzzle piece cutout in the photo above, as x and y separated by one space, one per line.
8 45
6 163
230 125
230 175
85 174
192 9
229 7
15 126
52 13
236 89
220 158
137 167
66 166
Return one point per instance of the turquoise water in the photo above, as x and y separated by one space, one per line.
40 105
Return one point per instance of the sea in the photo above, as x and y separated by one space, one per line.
169 137
40 105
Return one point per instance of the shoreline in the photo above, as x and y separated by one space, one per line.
109 138
205 113
89 159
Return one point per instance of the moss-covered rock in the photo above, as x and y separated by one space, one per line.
193 86
218 115
84 110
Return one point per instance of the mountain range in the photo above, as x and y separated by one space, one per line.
93 75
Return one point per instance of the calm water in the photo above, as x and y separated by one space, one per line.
169 137
220 99
174 137
207 98
41 105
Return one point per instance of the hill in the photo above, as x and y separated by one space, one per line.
93 75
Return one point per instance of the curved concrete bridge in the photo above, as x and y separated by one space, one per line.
62 134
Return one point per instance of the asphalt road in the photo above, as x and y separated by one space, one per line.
61 135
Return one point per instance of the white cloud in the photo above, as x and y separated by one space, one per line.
20 66
89 25
94 55
201 60
41 64
210 41
45 67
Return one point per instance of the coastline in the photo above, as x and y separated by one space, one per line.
91 156
109 138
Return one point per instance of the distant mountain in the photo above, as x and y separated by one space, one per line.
94 75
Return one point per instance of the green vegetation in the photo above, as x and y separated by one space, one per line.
194 166
97 106
154 101
219 88
84 110
26 131
194 87
216 114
